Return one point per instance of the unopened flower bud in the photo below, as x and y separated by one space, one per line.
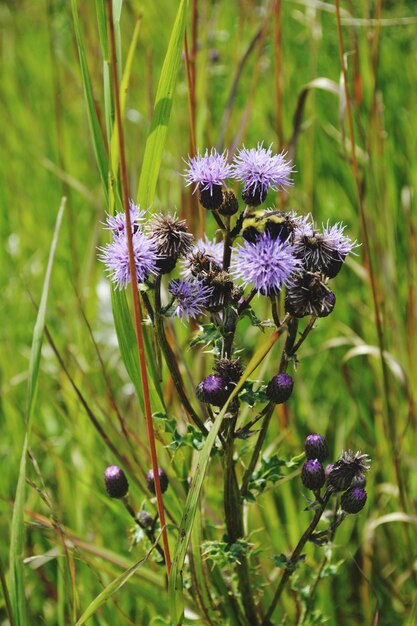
280 388
213 390
312 474
315 447
163 480
353 500
115 482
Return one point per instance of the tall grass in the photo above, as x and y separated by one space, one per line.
355 378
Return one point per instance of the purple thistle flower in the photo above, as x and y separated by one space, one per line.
115 256
260 170
267 264
191 297
207 171
117 222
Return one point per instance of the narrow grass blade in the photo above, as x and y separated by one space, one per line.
124 86
17 535
98 142
175 581
126 339
110 590
162 111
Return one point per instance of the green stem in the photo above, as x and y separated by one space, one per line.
233 509
294 558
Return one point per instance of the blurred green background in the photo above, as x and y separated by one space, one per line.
342 389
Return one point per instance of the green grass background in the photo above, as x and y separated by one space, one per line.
46 152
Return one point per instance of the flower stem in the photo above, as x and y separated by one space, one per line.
294 558
233 508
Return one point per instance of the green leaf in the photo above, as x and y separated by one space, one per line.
98 142
162 111
110 590
251 396
209 334
17 535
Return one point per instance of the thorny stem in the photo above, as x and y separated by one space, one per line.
170 359
133 282
295 556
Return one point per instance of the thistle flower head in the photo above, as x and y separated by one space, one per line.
266 264
280 388
230 369
353 500
115 256
323 251
260 170
117 222
350 466
115 482
208 172
312 474
308 295
214 390
315 447
171 239
191 297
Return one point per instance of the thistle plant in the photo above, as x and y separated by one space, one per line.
270 267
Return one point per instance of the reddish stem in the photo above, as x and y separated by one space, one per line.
135 293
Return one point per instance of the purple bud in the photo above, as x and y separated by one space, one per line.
353 500
280 388
312 474
213 390
315 447
115 482
163 480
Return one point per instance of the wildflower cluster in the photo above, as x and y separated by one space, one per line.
347 474
287 261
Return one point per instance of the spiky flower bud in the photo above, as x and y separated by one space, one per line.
315 447
163 480
214 389
145 520
347 468
171 238
230 204
353 500
230 369
280 388
115 482
308 295
312 474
